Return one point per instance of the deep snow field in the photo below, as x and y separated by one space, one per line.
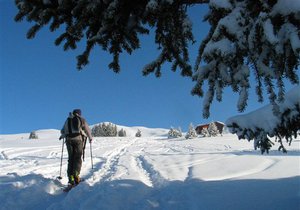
151 172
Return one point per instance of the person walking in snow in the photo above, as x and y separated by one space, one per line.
75 130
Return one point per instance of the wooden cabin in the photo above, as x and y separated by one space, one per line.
219 125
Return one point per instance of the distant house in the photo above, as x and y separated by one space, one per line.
219 125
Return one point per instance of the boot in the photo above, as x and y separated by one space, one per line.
71 180
77 179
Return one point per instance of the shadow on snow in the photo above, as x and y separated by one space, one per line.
34 191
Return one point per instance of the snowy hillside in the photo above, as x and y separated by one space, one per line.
151 172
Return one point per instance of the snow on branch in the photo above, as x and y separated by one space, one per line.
261 37
261 123
249 35
195 1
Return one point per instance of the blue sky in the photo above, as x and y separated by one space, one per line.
40 84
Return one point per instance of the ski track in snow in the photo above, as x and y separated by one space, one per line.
149 175
32 159
133 170
109 167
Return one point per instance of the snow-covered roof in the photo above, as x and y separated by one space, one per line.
209 123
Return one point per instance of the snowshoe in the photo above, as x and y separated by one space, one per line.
71 186
68 188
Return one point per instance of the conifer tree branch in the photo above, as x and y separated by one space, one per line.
195 1
245 38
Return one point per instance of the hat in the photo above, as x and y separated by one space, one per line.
77 111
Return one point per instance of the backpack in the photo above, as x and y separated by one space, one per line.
73 126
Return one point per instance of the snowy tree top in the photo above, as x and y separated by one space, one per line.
286 7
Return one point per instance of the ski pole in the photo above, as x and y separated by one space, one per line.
84 144
62 151
91 155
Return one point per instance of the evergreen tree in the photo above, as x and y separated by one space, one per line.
111 129
258 37
174 133
245 37
122 133
95 131
191 132
104 129
138 133
33 135
212 129
204 132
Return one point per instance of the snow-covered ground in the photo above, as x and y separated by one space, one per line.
151 172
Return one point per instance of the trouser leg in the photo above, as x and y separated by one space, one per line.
75 149
77 158
70 159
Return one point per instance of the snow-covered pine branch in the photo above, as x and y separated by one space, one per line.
249 37
246 37
262 123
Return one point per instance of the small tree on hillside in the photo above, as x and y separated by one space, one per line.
33 135
103 129
191 132
212 129
96 130
204 132
138 133
122 133
174 133
109 129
